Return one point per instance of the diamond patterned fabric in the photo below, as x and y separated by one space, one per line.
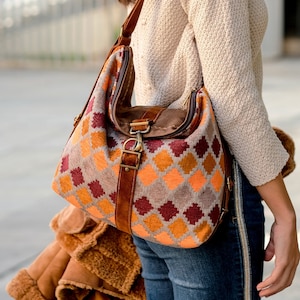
180 181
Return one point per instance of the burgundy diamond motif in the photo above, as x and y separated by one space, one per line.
96 189
153 145
178 147
113 197
194 214
201 147
214 214
143 205
216 146
98 120
111 142
64 164
90 106
168 211
77 176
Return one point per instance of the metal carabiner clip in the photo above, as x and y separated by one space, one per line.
138 146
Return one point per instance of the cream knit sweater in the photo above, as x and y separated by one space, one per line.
178 42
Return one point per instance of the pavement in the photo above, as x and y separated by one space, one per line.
37 108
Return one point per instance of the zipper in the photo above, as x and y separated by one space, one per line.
189 118
238 198
123 74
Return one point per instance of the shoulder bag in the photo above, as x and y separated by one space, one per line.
161 174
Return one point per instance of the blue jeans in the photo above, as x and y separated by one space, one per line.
227 267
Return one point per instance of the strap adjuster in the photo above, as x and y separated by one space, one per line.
128 162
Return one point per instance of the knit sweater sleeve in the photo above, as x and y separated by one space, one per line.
228 36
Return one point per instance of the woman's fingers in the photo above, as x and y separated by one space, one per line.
283 244
278 281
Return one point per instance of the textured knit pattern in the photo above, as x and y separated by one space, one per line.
178 195
179 42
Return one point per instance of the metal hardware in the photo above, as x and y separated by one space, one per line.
223 213
136 150
77 119
138 146
136 166
229 183
139 123
144 123
121 34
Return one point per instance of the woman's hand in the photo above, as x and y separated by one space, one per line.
284 246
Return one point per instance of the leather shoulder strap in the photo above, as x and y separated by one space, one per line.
129 24
124 39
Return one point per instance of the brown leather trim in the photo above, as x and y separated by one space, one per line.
228 178
125 190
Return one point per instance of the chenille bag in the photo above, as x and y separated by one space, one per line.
159 173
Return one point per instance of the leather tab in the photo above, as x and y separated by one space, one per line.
152 113
149 117
126 183
140 125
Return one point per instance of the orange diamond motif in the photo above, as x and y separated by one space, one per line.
106 206
72 199
197 181
164 238
85 147
94 212
203 231
222 162
84 196
112 219
217 181
153 222
134 217
173 179
76 134
178 228
188 242
147 175
140 230
98 139
188 163
100 161
209 163
116 169
114 154
55 186
163 160
65 183
85 126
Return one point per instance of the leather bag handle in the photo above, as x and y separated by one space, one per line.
124 39
131 21
129 25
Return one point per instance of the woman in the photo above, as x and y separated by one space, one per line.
177 45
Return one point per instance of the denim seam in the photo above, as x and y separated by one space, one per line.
242 232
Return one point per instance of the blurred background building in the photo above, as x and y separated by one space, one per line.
56 32
35 32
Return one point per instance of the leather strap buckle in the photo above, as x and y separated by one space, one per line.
128 161
130 158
